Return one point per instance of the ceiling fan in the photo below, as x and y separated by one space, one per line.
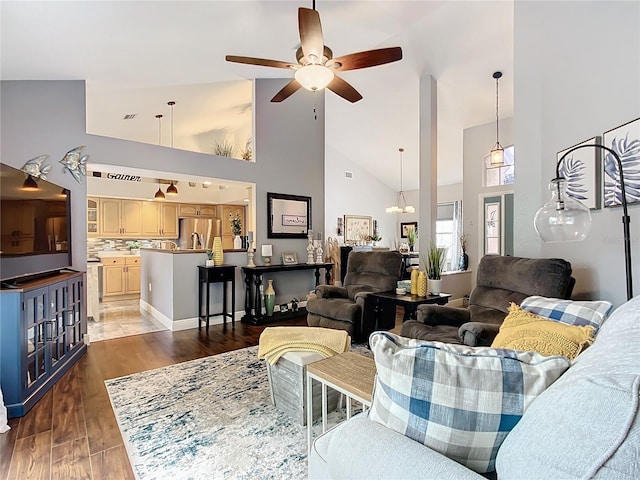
316 67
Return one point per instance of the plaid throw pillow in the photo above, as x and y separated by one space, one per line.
457 400
567 311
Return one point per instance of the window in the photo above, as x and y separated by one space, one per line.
505 175
448 230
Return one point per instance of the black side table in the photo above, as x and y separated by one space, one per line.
409 302
218 274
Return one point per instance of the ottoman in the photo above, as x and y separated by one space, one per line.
288 386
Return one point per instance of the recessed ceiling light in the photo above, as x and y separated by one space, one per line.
129 116
206 183
245 200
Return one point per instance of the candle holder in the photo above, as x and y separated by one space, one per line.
319 252
310 249
250 255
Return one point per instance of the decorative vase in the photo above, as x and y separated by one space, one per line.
463 261
237 242
269 298
415 273
411 247
435 286
422 284
209 263
218 254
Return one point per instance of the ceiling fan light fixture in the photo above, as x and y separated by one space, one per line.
314 77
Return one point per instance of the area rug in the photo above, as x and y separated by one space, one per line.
208 418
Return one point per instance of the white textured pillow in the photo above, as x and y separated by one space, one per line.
458 400
580 313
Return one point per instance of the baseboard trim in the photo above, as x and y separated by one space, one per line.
183 323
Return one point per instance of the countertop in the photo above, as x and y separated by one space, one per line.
187 250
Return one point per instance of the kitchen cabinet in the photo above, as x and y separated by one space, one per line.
120 275
192 210
93 225
41 336
120 218
226 213
159 220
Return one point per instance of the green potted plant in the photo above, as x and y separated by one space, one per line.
209 262
236 229
434 265
411 237
134 247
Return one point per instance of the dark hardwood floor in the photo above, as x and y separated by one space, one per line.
72 432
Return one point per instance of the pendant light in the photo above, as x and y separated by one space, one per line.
401 203
172 190
497 152
30 184
159 195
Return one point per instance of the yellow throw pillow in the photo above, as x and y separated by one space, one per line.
526 331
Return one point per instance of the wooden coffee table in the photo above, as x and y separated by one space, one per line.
349 373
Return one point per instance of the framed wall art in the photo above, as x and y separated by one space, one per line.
289 215
582 170
404 226
625 141
357 228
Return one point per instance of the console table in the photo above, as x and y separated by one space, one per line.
253 281
218 274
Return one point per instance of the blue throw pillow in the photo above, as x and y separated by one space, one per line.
458 400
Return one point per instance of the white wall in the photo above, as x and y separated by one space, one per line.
478 141
361 195
577 75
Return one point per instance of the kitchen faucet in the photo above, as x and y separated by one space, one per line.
195 240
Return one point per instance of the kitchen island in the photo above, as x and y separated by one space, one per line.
169 285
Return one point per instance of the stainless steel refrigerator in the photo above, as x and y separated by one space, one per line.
198 233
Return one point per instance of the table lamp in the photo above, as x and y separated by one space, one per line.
267 252
564 219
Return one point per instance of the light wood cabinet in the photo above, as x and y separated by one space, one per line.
120 218
159 220
169 220
120 276
93 223
192 210
226 213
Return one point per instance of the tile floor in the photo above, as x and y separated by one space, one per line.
121 319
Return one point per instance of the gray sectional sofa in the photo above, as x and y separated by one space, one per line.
585 425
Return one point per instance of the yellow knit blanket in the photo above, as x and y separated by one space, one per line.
276 341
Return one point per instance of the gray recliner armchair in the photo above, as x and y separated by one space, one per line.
345 308
499 281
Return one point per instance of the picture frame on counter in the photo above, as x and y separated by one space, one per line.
289 258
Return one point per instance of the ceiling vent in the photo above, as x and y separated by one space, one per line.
348 174
129 116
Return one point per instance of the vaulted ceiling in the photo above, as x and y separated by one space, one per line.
135 56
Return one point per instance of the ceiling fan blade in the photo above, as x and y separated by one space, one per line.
311 34
288 90
258 61
370 58
344 89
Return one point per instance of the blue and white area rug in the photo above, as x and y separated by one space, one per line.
208 418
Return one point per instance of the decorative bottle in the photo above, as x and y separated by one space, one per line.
422 284
414 281
269 298
218 254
